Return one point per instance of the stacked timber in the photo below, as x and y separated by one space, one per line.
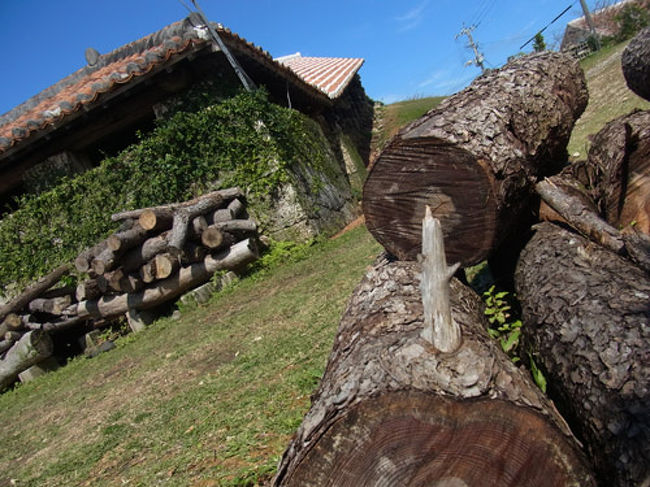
416 393
157 255
583 281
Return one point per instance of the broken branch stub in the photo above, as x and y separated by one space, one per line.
440 329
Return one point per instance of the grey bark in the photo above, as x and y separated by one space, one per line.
33 347
392 411
586 313
636 64
475 158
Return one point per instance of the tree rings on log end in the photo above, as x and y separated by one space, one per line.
410 175
416 439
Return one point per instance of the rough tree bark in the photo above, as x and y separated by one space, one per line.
32 347
636 64
617 172
586 312
475 157
392 411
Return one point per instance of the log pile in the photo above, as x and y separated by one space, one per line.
411 359
157 255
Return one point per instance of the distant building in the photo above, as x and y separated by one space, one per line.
577 31
99 108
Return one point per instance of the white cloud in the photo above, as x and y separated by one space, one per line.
444 82
411 18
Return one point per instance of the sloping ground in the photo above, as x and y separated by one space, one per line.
210 399
390 118
609 97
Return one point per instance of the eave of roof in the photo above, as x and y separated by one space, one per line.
90 85
330 74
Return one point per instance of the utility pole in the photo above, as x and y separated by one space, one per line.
590 23
478 56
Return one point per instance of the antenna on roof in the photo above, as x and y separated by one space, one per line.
241 74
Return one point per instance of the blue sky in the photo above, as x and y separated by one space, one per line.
409 45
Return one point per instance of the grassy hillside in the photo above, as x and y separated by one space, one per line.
390 118
210 399
609 97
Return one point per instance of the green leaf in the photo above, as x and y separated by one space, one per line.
537 374
511 342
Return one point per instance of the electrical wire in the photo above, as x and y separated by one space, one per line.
548 25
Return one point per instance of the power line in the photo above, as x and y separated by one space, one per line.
547 25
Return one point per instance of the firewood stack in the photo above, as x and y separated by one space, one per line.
157 255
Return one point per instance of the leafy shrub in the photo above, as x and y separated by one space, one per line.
631 19
244 141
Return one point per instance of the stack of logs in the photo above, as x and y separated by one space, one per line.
157 255
415 392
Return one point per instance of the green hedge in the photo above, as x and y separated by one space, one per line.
244 141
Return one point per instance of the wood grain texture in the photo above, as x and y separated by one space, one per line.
586 312
391 410
474 158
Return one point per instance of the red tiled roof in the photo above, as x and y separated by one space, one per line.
331 75
86 86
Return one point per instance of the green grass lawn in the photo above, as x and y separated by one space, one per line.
210 399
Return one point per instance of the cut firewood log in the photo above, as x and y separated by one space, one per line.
183 216
474 158
237 208
586 313
12 322
225 194
199 224
64 324
136 257
636 64
156 219
54 306
83 261
122 241
120 281
214 238
5 345
160 267
237 227
223 215
32 347
91 288
393 410
194 275
617 172
12 336
33 291
58 292
105 261
193 253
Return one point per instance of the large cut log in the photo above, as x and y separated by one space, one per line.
184 216
586 312
474 158
91 288
187 278
33 347
392 410
33 291
636 64
617 172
